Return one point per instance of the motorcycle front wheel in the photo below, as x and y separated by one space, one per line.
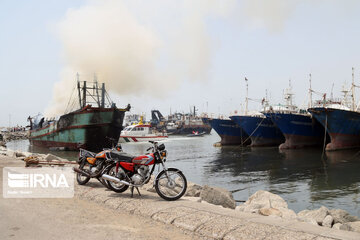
116 187
170 184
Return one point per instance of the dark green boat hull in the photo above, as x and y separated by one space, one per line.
90 128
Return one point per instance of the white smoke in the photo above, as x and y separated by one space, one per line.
269 14
121 42
131 57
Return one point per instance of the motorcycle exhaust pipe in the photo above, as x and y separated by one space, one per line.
81 172
115 180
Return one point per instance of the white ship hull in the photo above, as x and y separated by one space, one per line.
124 139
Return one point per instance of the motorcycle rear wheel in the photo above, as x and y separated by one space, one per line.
116 187
170 184
82 179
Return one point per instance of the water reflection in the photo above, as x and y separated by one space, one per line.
24 146
302 177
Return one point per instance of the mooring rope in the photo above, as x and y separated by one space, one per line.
324 145
323 152
252 132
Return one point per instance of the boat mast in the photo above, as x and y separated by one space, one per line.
266 98
103 95
353 91
290 95
246 99
332 92
84 95
97 91
79 90
310 93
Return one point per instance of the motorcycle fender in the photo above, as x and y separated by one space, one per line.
173 169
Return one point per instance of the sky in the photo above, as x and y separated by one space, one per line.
174 54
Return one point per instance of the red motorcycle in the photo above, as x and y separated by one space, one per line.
130 171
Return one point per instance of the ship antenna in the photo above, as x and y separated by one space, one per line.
353 91
266 96
247 98
332 90
290 94
310 92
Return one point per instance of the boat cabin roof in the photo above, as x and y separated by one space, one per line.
137 127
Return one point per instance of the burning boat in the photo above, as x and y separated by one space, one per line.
89 127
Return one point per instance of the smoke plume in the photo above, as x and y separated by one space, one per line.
271 15
131 56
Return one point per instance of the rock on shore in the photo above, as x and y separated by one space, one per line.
318 215
32 159
193 190
10 136
217 196
334 218
267 203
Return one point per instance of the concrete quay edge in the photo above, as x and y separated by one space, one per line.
206 220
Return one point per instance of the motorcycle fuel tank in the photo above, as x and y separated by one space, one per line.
145 159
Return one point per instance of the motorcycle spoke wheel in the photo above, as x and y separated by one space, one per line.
171 184
116 187
82 179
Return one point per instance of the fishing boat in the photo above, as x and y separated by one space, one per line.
196 134
261 130
141 132
179 123
297 125
300 129
229 132
341 121
342 125
90 127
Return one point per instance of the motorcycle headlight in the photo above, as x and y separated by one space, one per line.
163 154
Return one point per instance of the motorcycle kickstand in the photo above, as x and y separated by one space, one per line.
132 191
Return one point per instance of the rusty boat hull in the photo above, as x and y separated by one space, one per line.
89 128
343 127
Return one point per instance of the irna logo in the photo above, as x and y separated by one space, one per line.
44 182
19 180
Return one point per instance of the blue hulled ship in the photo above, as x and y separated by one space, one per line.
341 120
229 132
262 131
342 125
300 129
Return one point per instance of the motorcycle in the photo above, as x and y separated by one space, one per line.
134 171
92 165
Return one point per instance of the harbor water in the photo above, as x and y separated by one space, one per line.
306 179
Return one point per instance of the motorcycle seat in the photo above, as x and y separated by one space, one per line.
121 156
